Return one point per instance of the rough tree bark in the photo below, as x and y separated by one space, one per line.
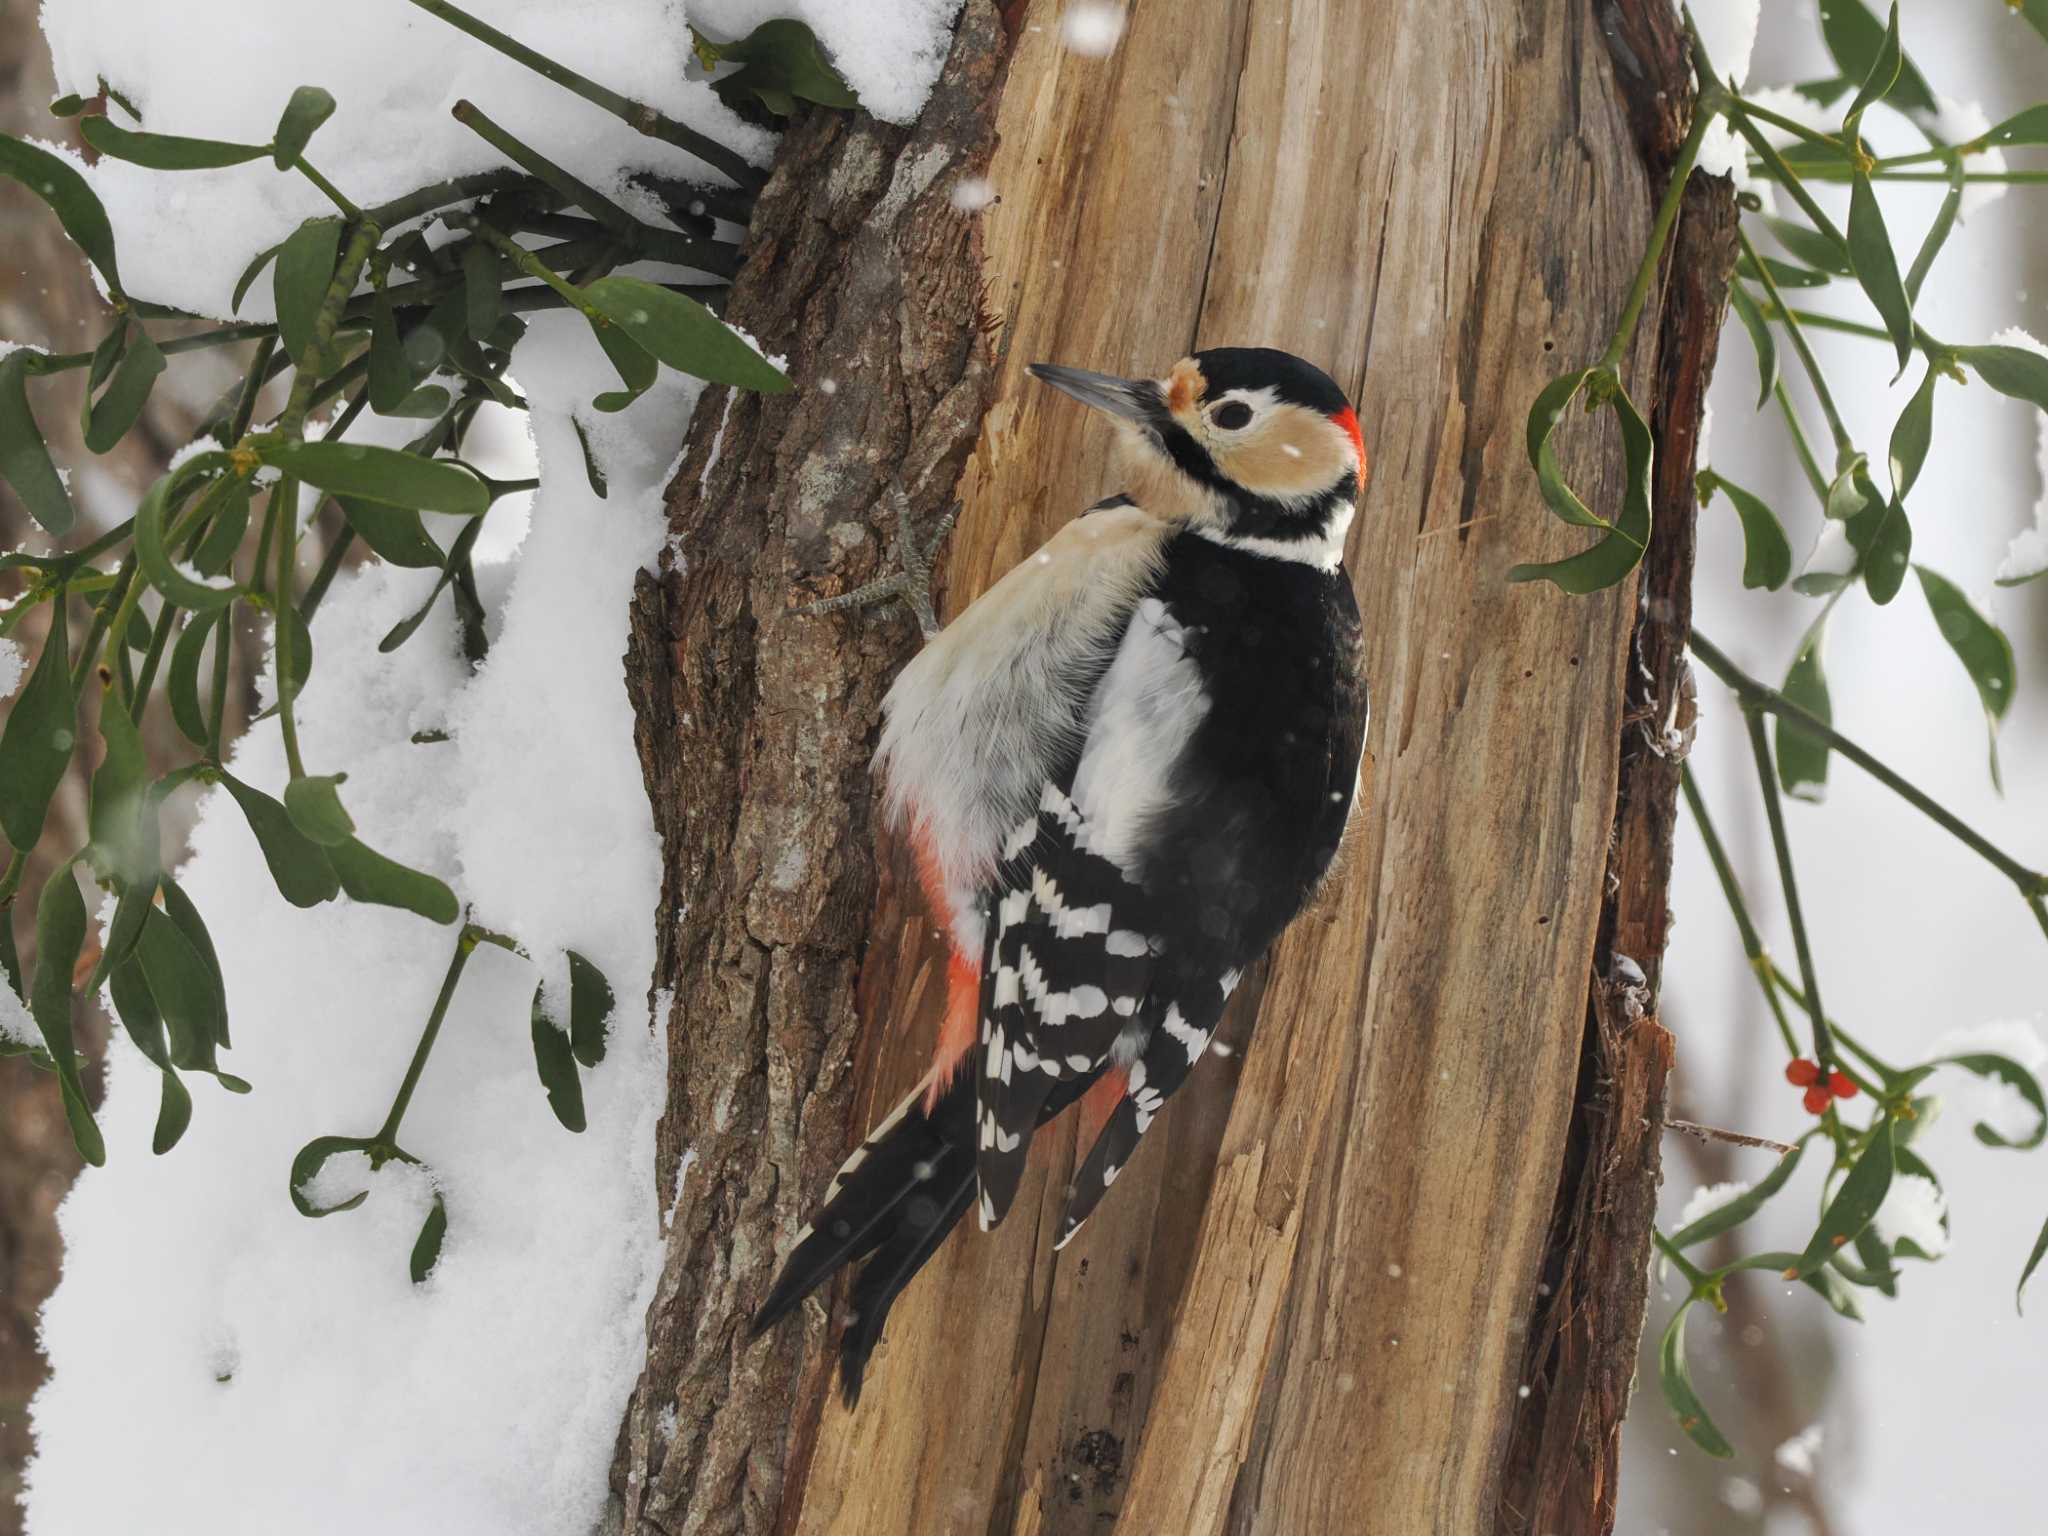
1565 1453
1313 1299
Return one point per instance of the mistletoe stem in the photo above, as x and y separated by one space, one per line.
1839 432
457 189
166 619
1792 126
116 600
361 241
1821 322
1807 461
333 193
465 944
1694 1276
636 115
1752 942
1757 697
537 165
1704 112
1774 811
252 386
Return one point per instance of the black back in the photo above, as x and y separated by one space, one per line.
1271 769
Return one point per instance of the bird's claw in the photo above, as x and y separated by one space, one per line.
911 583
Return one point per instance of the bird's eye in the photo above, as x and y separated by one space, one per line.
1231 415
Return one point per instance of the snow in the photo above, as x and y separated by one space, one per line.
547 719
199 445
2027 555
1799 1453
1727 31
1722 153
1741 1495
675 1200
279 1374
1832 553
1973 1098
889 53
2017 336
197 577
2018 1038
394 72
1959 122
1800 108
13 664
717 447
534 810
971 194
1711 1197
16 1026
1091 29
1914 1209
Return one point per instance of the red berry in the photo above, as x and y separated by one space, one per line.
1802 1073
1840 1085
1816 1099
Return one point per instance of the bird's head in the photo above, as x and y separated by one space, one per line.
1252 446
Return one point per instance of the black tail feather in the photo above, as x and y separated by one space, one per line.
925 1221
835 1241
899 1164
892 1205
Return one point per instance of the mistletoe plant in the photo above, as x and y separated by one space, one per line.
1833 1070
371 316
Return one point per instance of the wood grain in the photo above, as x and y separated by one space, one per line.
1305 1309
1081 226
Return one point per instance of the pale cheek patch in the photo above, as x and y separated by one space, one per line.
1296 453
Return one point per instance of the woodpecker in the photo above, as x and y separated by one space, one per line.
1123 770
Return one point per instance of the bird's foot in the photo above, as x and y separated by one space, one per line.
911 583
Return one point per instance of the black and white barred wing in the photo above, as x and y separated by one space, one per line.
1067 973
1076 941
1180 1019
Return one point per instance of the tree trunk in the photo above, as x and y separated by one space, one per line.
1313 1301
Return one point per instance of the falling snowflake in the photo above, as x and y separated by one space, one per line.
1092 29
971 194
1798 1453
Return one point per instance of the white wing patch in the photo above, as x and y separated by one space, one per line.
1148 706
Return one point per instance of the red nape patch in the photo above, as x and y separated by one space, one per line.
1348 420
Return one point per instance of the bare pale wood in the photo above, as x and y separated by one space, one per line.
1304 1309
1503 205
1096 204
1205 1407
